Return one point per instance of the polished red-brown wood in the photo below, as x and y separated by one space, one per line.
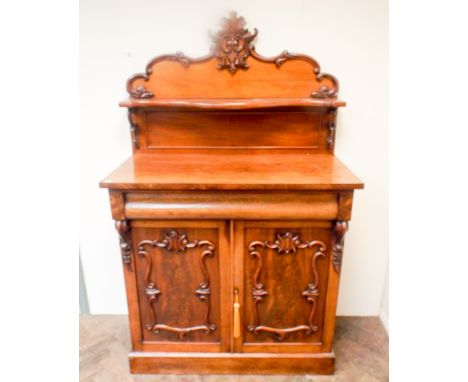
230 103
250 129
232 171
232 205
232 211
231 363
168 129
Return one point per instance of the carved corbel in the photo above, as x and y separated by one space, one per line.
340 229
123 229
133 127
331 129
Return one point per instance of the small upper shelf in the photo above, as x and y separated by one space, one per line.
232 103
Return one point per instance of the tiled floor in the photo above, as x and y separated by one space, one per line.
361 347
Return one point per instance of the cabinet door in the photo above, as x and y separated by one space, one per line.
180 275
282 273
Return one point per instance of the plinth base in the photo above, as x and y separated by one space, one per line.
231 363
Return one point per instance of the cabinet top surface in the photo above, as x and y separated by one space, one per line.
232 171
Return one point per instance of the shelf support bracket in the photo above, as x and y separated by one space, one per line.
133 127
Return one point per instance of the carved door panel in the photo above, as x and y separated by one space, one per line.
180 271
281 271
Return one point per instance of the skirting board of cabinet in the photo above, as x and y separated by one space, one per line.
231 363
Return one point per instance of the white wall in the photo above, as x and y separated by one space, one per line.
349 40
384 308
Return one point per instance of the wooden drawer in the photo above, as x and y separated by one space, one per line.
232 205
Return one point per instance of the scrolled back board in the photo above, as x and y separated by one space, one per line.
233 70
181 103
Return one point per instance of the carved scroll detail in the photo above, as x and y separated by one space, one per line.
123 229
324 91
175 242
140 91
232 44
340 229
285 244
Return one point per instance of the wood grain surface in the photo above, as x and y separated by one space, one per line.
232 171
230 103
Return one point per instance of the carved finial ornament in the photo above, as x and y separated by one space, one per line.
232 44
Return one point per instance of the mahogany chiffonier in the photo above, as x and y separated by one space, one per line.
232 211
